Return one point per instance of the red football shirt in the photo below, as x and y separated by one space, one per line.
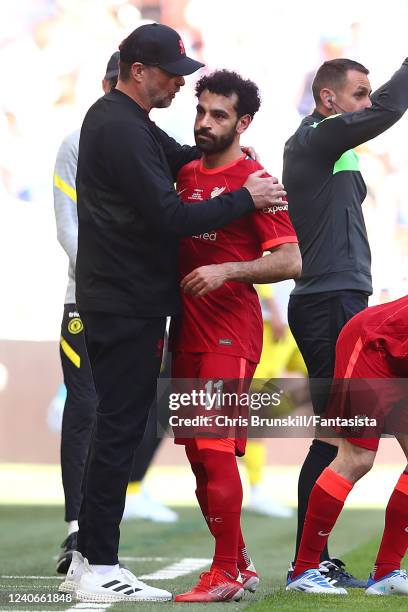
227 320
374 343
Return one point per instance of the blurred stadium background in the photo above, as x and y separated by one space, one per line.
53 55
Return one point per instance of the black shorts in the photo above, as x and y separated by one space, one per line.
315 321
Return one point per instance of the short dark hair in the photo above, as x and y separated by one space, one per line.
225 83
112 82
124 71
333 73
129 52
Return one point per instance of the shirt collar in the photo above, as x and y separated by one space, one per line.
318 116
119 96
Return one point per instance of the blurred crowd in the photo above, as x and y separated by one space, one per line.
53 55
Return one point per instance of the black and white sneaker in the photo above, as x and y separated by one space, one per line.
67 548
312 581
75 571
334 570
117 585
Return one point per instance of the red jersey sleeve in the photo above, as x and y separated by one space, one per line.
274 226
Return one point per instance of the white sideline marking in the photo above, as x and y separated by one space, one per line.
34 577
142 559
89 606
82 605
180 568
174 570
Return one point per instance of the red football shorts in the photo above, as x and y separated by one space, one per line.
370 386
209 366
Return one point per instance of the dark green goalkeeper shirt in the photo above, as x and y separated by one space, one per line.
326 190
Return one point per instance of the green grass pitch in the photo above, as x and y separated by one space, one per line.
30 537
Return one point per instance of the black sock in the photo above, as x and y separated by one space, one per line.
320 455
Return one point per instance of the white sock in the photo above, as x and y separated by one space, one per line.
103 569
72 527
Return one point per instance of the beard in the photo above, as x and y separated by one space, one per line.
214 144
162 102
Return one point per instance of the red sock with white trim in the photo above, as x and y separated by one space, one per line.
326 501
394 543
244 560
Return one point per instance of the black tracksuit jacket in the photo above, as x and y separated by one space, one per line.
129 215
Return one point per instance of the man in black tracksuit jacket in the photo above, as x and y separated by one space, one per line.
325 194
130 219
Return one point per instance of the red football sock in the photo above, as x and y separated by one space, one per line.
243 556
394 542
201 479
325 504
224 498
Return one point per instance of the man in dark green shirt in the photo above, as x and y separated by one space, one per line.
325 194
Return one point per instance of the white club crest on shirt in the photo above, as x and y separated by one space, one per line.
217 191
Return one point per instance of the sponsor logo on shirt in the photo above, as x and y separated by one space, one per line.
217 191
196 195
276 208
225 341
207 236
73 314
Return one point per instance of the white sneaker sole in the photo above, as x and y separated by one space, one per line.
67 586
85 596
317 592
373 591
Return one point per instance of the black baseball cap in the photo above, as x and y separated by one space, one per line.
112 69
155 44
